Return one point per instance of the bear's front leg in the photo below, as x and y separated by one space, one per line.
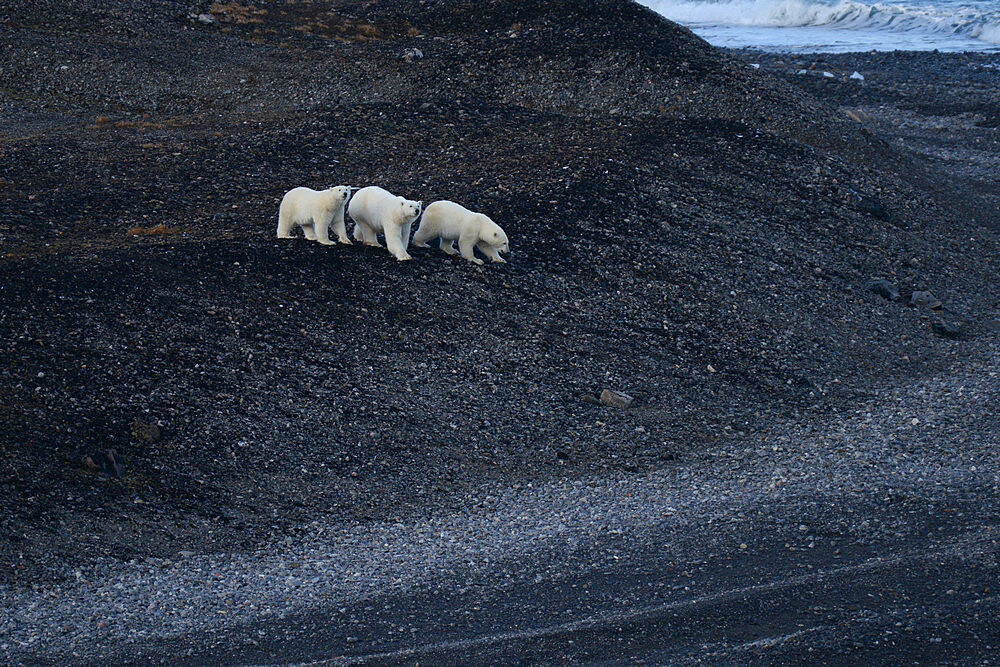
340 229
322 228
490 252
309 232
404 234
466 243
394 242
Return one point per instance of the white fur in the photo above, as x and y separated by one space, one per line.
314 211
376 211
453 222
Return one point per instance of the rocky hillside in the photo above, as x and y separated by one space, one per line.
685 228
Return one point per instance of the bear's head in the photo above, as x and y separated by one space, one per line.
409 209
340 193
491 233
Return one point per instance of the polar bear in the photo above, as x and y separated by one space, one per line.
450 221
314 211
375 211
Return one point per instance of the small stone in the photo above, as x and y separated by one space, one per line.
409 55
562 455
871 206
207 19
858 76
145 432
945 329
743 545
914 421
616 399
883 288
925 300
858 115
590 398
711 369
803 527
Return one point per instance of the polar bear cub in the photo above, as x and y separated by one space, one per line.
375 211
314 211
450 222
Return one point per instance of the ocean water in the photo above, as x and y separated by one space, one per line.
840 25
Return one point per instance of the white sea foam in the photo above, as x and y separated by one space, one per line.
918 24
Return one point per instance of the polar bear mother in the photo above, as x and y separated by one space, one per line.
375 211
450 222
314 211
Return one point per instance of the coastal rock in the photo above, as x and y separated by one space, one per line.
616 399
946 329
926 300
883 288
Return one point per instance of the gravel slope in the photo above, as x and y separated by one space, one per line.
685 227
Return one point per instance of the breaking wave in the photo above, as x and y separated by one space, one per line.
970 20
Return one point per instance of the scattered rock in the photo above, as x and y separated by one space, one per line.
145 432
88 464
409 55
207 19
590 398
871 206
106 461
858 76
616 399
946 329
858 116
925 300
883 288
562 455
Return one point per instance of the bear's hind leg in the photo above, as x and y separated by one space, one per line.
285 225
466 245
448 247
422 236
370 236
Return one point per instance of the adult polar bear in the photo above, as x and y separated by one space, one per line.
450 222
314 211
375 211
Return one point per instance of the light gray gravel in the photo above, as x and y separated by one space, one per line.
914 437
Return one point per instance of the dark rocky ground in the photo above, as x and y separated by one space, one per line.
684 227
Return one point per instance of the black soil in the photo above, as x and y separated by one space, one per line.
684 227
